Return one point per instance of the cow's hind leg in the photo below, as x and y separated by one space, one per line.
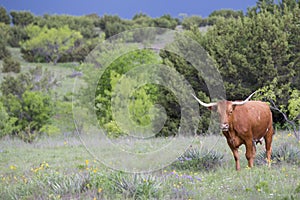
268 142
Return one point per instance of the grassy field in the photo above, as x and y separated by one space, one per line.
69 167
62 168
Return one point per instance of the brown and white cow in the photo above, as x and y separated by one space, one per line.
244 122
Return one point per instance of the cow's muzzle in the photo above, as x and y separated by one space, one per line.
224 127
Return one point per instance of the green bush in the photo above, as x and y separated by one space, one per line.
50 130
49 44
6 122
283 153
4 16
138 187
127 186
189 22
27 99
112 129
166 21
16 35
10 65
195 159
32 111
4 52
81 49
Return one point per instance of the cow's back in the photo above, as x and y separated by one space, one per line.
254 117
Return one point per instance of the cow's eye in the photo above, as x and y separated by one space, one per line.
230 112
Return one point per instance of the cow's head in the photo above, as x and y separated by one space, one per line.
225 110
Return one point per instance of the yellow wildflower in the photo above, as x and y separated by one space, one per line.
25 180
99 190
13 167
86 162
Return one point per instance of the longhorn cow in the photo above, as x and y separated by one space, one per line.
244 122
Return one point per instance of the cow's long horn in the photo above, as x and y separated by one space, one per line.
207 105
243 102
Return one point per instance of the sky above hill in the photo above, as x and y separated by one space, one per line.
126 8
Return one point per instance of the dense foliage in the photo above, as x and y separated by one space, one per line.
10 65
4 16
27 103
256 50
49 45
4 35
194 21
145 96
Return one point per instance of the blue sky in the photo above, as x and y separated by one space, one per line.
126 8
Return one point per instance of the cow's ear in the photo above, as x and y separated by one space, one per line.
233 107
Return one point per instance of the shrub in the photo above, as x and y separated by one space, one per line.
283 153
50 130
195 159
188 22
4 52
16 35
119 185
27 97
49 44
32 110
113 129
137 186
10 65
6 122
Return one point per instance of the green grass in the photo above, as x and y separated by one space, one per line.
61 168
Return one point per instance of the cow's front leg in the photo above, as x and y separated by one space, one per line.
250 153
236 156
235 152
